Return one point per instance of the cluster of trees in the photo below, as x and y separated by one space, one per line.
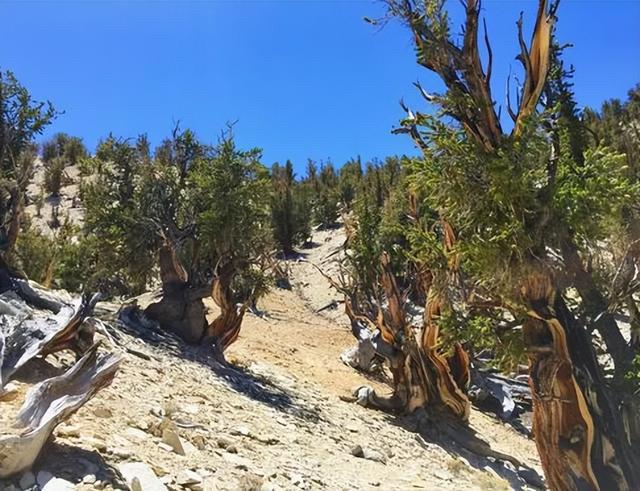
530 226
21 120
196 219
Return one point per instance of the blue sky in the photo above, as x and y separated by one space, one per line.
304 79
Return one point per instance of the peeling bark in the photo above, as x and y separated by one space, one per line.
422 377
225 328
583 437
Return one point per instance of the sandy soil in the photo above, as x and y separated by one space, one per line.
277 418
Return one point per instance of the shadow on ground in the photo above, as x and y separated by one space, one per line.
38 369
73 464
254 386
462 441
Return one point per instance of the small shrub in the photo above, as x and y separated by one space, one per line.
34 254
53 176
39 203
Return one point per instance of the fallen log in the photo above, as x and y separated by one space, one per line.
51 402
32 333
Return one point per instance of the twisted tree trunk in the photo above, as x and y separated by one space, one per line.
422 377
225 328
584 432
181 309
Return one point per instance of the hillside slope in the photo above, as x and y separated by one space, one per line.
277 419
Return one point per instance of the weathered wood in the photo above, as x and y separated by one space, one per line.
364 356
582 429
503 396
225 328
421 375
51 402
28 336
36 297
178 310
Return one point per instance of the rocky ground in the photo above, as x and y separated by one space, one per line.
67 204
278 418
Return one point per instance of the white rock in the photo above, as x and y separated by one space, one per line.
44 477
136 434
189 447
166 447
70 431
375 456
9 392
96 443
189 408
188 477
28 480
140 477
57 484
237 460
179 446
89 479
121 452
241 430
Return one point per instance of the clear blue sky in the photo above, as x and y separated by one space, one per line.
304 79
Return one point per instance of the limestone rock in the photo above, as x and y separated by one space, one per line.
57 484
366 453
89 479
140 477
43 478
187 478
241 430
136 434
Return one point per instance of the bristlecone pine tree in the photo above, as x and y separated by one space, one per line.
528 205
21 119
200 213
290 214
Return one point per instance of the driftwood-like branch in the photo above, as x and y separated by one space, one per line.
536 62
28 336
51 402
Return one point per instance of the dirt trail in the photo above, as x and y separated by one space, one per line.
275 421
